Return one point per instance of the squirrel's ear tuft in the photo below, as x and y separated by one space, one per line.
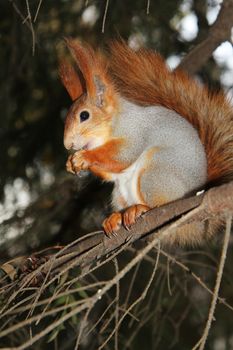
70 79
93 66
100 88
84 58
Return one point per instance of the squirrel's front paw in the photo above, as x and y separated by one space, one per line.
77 162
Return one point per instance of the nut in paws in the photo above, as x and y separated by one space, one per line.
77 162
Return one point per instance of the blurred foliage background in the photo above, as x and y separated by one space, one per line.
41 204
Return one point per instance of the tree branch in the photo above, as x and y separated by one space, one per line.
95 246
220 31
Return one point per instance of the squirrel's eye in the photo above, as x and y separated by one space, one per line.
84 115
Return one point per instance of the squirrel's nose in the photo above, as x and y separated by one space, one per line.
68 145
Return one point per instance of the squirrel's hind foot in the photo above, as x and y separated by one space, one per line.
113 223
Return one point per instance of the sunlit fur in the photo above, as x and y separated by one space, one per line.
144 78
96 130
92 132
70 79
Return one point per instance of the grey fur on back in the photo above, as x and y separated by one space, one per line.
180 150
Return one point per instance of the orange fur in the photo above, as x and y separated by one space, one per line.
85 58
127 218
112 223
98 171
144 78
70 80
139 192
92 65
104 158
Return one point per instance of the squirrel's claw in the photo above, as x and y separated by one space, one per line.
113 223
69 166
132 213
76 162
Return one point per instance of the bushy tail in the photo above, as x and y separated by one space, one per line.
144 78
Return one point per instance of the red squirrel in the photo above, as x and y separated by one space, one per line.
156 133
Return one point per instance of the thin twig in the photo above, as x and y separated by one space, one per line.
105 15
196 277
132 283
168 277
148 7
143 295
47 301
101 317
31 26
202 341
117 307
212 202
17 10
82 327
37 11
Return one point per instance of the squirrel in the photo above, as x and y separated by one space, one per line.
158 134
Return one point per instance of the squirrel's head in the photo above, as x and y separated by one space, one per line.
88 122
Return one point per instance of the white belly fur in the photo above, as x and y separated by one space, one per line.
126 183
